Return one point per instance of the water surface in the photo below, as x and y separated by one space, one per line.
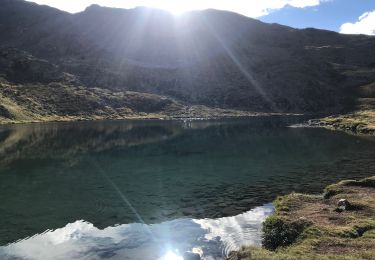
123 180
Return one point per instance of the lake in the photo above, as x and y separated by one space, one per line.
155 189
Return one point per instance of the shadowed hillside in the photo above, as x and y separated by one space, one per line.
212 58
34 90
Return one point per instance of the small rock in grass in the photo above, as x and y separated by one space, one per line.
342 205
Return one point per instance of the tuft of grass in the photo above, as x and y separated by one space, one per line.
279 232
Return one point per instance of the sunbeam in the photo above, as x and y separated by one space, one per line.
244 70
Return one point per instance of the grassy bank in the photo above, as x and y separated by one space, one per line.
361 120
315 227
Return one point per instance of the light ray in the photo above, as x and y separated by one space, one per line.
118 191
248 75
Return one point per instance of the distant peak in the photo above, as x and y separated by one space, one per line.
93 7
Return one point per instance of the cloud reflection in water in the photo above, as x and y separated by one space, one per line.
214 237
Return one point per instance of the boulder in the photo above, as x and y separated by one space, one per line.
343 205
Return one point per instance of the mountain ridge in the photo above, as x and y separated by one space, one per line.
212 58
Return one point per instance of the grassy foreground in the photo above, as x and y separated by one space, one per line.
313 227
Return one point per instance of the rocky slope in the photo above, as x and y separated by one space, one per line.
34 90
212 58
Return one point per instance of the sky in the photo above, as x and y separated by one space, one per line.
345 16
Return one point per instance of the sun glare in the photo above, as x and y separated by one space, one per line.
173 6
170 255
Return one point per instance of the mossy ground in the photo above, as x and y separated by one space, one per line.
310 227
362 119
360 122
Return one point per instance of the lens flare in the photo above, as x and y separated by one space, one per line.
170 255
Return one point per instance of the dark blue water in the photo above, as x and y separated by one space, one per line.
93 179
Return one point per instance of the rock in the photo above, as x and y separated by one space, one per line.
4 112
313 122
191 256
342 205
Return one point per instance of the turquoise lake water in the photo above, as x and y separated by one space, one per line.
151 189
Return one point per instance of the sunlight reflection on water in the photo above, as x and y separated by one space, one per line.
215 238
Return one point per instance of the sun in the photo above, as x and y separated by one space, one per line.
173 6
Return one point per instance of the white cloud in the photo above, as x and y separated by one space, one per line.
252 8
364 25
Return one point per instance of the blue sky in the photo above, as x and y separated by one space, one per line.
328 15
345 16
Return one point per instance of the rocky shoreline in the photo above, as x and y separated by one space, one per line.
340 224
347 123
361 121
189 114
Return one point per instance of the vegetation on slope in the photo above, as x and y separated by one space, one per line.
34 90
315 227
361 120
59 102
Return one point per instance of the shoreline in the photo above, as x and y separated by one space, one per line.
338 124
339 224
333 123
67 119
348 123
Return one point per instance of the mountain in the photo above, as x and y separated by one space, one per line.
213 58
34 90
